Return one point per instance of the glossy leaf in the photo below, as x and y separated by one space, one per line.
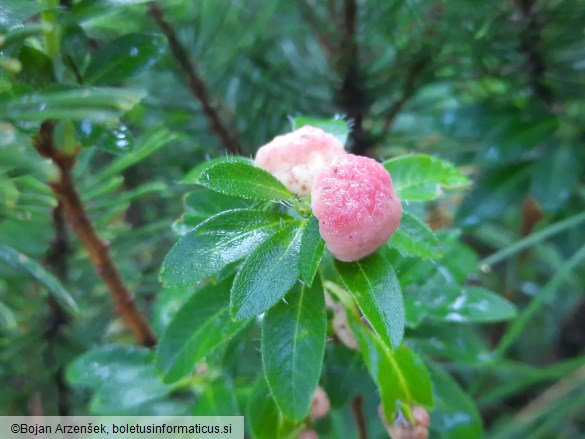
267 274
114 138
196 173
374 285
13 13
94 104
420 177
400 375
312 248
415 238
455 415
20 261
201 325
337 127
293 344
217 242
217 399
553 177
124 57
452 303
243 180
263 413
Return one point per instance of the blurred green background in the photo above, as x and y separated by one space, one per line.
496 87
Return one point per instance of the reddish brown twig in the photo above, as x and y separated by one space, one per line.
97 249
194 81
358 412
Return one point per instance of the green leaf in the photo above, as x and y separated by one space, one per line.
293 344
312 248
7 320
123 58
243 180
453 303
420 177
20 261
201 325
195 173
100 365
218 399
415 238
337 127
217 242
74 48
267 274
203 203
455 415
400 375
344 375
554 176
114 138
263 414
15 12
493 194
37 68
374 285
94 104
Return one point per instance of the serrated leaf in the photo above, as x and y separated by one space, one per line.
243 180
455 415
195 173
263 413
20 261
420 177
337 127
400 375
217 399
415 238
94 104
123 58
293 344
217 242
267 274
201 325
374 285
453 303
312 248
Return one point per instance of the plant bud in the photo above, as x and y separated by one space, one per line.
296 158
356 205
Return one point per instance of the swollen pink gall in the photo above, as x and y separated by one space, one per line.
356 205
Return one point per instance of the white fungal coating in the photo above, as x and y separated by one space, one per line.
356 205
296 158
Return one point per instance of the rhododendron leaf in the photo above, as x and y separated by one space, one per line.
202 324
420 177
373 283
267 274
293 344
400 375
217 242
124 57
415 238
195 173
243 180
336 127
312 248
452 303
451 402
